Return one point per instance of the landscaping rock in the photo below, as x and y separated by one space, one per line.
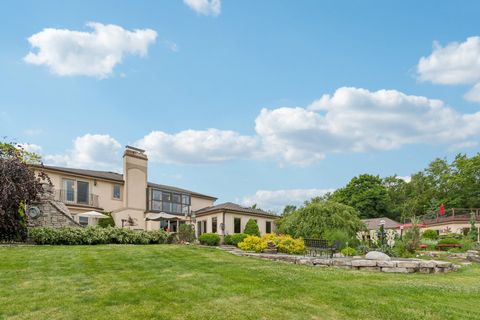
376 255
408 264
427 264
364 263
387 264
395 270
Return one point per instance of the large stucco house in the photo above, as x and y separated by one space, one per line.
136 203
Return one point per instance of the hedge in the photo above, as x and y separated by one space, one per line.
96 235
234 239
209 239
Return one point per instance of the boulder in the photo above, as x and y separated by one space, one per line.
377 255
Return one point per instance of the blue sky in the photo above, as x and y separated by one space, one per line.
222 93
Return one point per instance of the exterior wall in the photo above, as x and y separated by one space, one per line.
261 221
200 203
229 222
453 227
103 189
138 217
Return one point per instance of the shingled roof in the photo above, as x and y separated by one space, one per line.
230 206
373 224
118 177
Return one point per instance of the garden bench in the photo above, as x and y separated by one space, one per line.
446 246
314 247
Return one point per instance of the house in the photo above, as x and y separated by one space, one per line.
136 203
229 218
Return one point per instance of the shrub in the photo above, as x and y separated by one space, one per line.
209 239
253 243
95 235
287 244
235 239
451 235
251 228
401 250
186 233
349 252
449 241
430 234
106 222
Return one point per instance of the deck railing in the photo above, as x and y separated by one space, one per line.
74 197
450 215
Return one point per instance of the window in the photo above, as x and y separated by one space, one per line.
174 203
82 192
199 228
214 225
117 191
83 221
268 227
204 227
68 190
237 225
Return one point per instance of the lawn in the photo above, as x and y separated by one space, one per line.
181 282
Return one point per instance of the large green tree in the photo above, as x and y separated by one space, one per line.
317 217
367 194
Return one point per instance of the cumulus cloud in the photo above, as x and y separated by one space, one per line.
276 200
30 147
197 146
456 63
91 151
205 7
358 120
96 53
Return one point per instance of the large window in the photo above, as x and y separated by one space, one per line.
169 202
237 225
268 227
68 190
214 225
117 191
82 192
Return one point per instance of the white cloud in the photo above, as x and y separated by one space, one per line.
197 146
30 147
358 120
456 63
205 7
70 53
405 178
91 151
276 200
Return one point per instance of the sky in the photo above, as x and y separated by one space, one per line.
266 102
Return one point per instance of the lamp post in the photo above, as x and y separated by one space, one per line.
401 232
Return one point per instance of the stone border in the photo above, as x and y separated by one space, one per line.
388 266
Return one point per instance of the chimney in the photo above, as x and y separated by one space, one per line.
135 164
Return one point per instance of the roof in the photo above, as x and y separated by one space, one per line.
114 176
230 206
108 175
372 224
179 190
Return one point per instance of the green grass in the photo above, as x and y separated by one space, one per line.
180 282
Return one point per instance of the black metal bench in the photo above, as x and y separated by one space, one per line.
314 247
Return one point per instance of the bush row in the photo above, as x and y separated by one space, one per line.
96 235
234 239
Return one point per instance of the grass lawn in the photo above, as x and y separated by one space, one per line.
181 282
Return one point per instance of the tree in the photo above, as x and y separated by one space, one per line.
251 228
19 186
473 233
316 218
367 194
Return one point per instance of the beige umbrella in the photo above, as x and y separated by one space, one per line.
92 214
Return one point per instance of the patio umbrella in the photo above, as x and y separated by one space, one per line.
92 214
162 215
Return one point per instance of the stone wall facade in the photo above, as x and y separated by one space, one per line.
52 213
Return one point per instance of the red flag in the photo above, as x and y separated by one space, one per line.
442 209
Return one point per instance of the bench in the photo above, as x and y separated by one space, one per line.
446 246
314 247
